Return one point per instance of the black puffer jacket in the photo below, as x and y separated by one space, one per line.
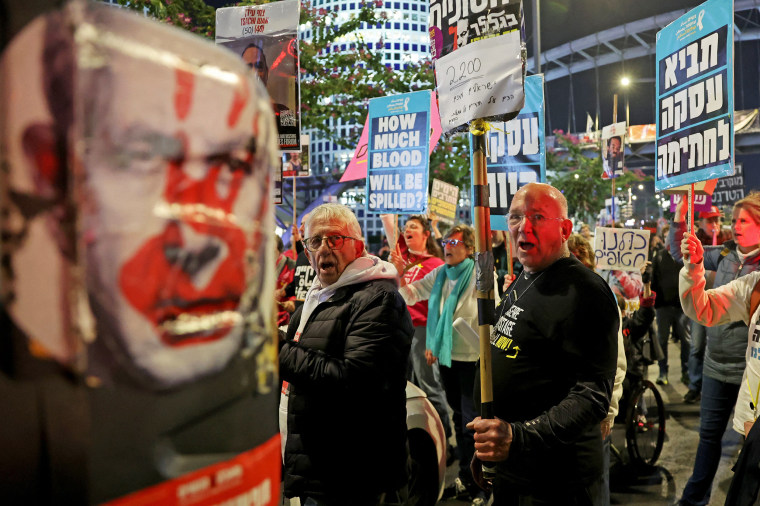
347 405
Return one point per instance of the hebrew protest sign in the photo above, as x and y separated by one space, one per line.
730 189
702 202
622 249
515 152
443 201
266 37
695 104
476 47
397 177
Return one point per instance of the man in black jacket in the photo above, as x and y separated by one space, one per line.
554 356
344 366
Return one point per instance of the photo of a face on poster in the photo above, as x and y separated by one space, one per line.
613 149
266 38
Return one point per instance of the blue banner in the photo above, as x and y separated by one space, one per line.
398 156
695 101
516 153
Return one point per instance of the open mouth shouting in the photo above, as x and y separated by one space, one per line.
188 285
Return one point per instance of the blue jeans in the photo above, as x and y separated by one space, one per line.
670 317
718 399
459 384
697 356
428 378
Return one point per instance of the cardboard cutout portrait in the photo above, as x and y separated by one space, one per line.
135 198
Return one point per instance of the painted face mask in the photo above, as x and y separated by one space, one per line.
137 192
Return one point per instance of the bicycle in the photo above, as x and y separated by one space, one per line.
644 425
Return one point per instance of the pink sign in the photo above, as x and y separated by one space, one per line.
357 168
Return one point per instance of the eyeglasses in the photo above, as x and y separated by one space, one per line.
536 219
452 242
333 242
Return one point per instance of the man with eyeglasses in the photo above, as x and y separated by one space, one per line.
344 365
554 355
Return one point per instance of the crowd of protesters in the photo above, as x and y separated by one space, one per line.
557 375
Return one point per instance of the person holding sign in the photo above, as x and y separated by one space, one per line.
725 311
450 290
554 355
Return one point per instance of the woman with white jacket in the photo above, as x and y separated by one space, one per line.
450 292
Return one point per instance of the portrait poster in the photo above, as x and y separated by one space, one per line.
444 198
613 150
694 97
266 37
622 249
476 48
398 158
296 163
515 154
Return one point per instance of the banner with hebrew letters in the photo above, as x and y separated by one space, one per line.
695 104
622 249
476 48
730 189
444 198
515 153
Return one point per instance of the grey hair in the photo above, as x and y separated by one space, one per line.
339 213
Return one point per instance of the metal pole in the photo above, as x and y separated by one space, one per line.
295 215
612 169
536 36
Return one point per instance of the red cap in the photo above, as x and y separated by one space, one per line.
712 213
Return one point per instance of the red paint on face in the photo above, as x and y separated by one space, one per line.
158 280
168 276
183 94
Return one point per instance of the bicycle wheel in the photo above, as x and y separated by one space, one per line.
645 424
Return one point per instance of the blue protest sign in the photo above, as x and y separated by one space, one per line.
695 103
515 153
398 159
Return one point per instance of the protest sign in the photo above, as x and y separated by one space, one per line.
266 37
730 189
357 167
702 202
622 249
476 47
398 159
695 104
296 163
443 201
613 150
516 154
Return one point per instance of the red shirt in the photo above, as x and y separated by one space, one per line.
418 271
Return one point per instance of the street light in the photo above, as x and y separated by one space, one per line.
625 81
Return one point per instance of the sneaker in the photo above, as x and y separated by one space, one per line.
480 499
662 380
692 397
456 490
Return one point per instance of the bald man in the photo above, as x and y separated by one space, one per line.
554 352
